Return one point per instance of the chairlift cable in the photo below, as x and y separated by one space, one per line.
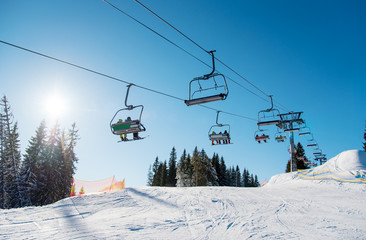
199 46
166 39
114 78
90 70
172 26
181 48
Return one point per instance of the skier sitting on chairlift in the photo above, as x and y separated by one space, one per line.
213 133
227 141
123 136
265 139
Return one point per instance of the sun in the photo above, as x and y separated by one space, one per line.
55 106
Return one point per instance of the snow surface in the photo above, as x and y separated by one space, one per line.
286 208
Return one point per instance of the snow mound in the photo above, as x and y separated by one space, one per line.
352 160
348 166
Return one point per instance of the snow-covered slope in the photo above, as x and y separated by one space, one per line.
348 166
291 209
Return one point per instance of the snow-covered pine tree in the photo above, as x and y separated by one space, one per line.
67 163
53 167
172 170
30 169
2 159
212 179
184 171
11 158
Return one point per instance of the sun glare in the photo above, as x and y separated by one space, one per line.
55 106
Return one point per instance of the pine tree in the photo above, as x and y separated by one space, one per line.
31 166
156 172
223 175
150 176
164 174
246 178
212 178
199 169
53 165
237 177
256 182
301 159
67 161
172 170
12 196
184 171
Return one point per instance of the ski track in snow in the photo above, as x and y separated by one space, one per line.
286 208
305 210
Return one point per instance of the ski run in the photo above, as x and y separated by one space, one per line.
327 202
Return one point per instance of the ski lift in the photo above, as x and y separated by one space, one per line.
304 131
223 136
312 142
261 135
269 116
212 76
122 128
280 136
318 152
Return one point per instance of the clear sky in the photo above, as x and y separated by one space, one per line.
310 55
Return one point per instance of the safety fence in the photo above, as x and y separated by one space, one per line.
81 187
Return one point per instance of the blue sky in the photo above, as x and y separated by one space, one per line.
309 55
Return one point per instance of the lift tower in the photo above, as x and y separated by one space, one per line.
290 122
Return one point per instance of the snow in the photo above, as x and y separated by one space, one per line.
288 207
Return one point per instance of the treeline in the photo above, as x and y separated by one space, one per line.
198 170
44 174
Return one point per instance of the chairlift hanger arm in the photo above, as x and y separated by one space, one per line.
207 76
130 107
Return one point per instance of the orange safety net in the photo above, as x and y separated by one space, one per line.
80 187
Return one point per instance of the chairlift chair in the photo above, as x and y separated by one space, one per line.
212 76
269 116
280 137
261 135
318 153
312 142
134 126
223 135
304 130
